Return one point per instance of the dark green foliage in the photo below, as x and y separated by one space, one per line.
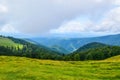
94 54
4 51
91 46
91 51
29 50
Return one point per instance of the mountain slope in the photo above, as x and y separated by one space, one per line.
8 42
72 44
94 51
114 59
12 47
59 49
89 46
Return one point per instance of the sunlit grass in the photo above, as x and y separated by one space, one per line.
114 59
9 43
16 68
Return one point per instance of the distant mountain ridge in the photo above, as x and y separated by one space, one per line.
58 49
72 44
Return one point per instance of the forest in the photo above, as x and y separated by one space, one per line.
91 51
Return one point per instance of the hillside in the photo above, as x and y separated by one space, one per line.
59 49
72 44
20 68
9 43
114 59
89 46
94 51
17 47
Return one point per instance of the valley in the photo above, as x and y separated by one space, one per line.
10 46
59 39
72 44
93 61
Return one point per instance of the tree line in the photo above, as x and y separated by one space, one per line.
40 52
34 52
94 54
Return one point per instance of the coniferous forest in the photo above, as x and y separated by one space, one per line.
28 50
91 51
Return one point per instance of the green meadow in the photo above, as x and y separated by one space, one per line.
9 43
21 68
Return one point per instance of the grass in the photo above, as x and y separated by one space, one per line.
7 42
114 59
20 68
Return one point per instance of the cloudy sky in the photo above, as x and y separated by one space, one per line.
60 17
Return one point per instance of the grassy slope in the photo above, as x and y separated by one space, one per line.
8 42
17 68
114 59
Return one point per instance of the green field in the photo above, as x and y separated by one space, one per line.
17 68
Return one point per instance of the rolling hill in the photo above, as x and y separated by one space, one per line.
35 68
72 44
20 68
4 41
92 45
94 51
59 49
17 47
114 59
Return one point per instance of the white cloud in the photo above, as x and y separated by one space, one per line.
8 29
42 16
3 8
109 24
69 27
117 2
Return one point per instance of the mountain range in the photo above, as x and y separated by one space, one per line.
72 44
96 48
